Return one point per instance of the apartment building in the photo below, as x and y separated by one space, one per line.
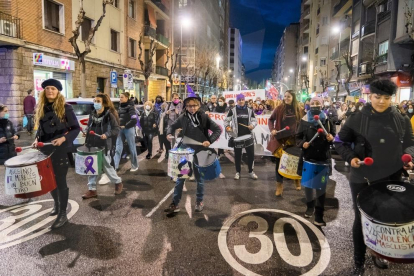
235 61
34 46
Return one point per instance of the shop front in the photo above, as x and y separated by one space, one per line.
47 67
404 84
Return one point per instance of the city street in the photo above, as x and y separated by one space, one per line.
243 230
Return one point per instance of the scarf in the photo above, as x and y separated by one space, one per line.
322 118
259 112
194 118
161 125
147 112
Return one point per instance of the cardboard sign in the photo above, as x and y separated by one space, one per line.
22 180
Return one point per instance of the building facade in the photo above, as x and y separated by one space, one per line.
235 61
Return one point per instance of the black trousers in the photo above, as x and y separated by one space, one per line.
148 141
238 157
164 143
60 165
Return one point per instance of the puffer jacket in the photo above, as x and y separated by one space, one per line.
147 121
7 149
127 115
104 123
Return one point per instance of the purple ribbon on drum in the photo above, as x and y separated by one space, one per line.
89 164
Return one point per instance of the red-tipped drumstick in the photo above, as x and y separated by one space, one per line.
367 161
406 158
286 128
320 131
93 133
316 117
39 145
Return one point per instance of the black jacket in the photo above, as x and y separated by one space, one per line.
126 114
104 123
383 136
332 114
147 122
7 149
221 109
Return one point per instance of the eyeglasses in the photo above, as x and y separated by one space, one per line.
192 106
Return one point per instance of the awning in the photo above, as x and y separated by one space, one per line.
151 16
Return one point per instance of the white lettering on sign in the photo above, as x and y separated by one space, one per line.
396 188
266 245
48 61
15 229
22 180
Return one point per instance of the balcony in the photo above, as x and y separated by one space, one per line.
305 41
307 2
342 7
10 30
305 28
151 34
164 40
382 58
355 34
161 71
365 68
368 29
159 8
383 15
306 13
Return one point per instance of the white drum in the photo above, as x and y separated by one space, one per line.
180 163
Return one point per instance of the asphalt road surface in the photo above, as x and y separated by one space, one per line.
243 230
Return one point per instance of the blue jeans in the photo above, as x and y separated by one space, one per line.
178 190
129 135
108 169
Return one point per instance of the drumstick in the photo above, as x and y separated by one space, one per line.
81 129
189 141
93 133
406 158
367 161
286 128
243 125
320 131
316 117
39 145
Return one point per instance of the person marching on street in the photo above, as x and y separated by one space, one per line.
57 124
318 150
148 122
174 111
285 115
195 125
162 129
221 108
212 105
381 132
29 105
104 121
157 107
128 120
241 121
330 110
7 136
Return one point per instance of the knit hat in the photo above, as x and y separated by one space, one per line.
319 99
52 82
240 97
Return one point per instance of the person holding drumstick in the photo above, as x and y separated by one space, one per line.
104 122
195 125
57 124
381 132
7 136
285 115
241 121
318 150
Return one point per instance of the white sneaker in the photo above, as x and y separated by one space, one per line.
104 180
222 176
252 175
237 176
346 164
133 170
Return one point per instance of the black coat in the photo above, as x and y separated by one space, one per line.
7 149
332 114
104 123
383 136
126 112
147 122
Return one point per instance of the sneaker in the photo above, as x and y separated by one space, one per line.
118 188
148 156
128 157
358 270
199 206
172 209
133 170
252 175
319 221
222 176
90 194
160 150
380 263
104 180
237 176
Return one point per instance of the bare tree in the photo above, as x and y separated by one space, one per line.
348 61
146 67
338 77
74 39
324 79
173 64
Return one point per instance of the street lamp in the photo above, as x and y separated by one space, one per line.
304 58
185 21
291 70
218 58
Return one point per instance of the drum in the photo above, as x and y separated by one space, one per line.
289 161
180 163
387 217
29 175
243 141
315 175
89 161
208 165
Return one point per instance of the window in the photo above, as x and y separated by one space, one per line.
132 48
114 41
324 20
116 3
383 48
317 29
101 85
85 28
53 16
323 61
231 60
131 8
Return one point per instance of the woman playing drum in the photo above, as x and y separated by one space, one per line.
316 151
285 115
104 122
195 125
7 135
381 132
57 123
240 121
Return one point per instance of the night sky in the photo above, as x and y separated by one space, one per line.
261 24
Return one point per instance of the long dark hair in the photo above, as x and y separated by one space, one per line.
107 103
295 105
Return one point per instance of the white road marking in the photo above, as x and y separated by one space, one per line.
159 204
205 217
188 206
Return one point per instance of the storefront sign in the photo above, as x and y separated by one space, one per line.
48 61
114 79
128 80
249 94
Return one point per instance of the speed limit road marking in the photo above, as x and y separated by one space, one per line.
238 255
13 229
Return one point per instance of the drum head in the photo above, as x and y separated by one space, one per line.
206 158
242 138
182 151
388 202
294 151
86 149
26 159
